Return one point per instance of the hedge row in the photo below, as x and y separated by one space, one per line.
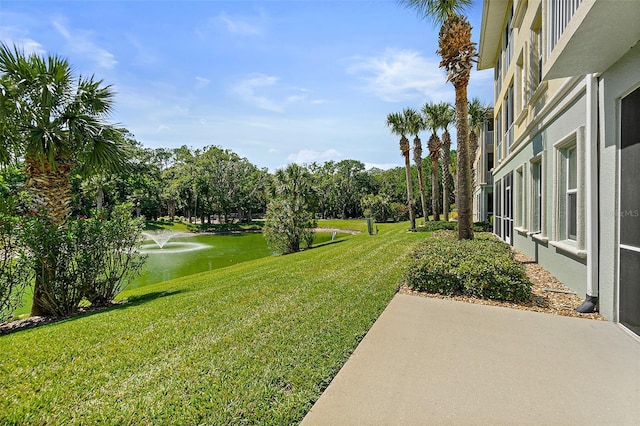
483 267
451 226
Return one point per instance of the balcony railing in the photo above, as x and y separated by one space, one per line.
560 13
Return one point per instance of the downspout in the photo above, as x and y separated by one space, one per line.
592 206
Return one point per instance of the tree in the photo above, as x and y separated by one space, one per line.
398 124
56 122
433 122
289 223
416 124
458 54
478 114
446 117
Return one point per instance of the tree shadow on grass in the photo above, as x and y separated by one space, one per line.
84 312
326 243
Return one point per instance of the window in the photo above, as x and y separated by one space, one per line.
535 58
572 193
507 41
520 197
521 79
508 120
536 199
497 218
568 225
498 133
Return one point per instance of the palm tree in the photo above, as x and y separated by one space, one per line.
433 122
398 124
447 116
478 114
458 54
58 128
415 123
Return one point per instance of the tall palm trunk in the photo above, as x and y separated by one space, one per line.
417 158
463 195
457 52
50 188
446 173
434 153
404 148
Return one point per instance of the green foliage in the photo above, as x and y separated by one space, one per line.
451 226
437 226
483 267
111 259
254 343
288 229
399 212
289 222
376 206
90 258
15 274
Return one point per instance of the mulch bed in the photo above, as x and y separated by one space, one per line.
559 302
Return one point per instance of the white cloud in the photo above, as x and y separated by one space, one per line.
143 55
402 75
238 26
202 82
247 89
381 166
81 43
264 92
306 156
20 38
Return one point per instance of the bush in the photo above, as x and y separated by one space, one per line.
15 273
286 229
451 226
399 212
376 206
483 267
116 259
90 258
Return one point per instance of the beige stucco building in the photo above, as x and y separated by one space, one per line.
566 142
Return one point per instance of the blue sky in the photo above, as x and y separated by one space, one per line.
275 81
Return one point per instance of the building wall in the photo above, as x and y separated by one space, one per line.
562 117
619 80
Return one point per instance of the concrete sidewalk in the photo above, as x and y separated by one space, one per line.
430 361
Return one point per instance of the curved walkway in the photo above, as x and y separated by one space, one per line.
432 361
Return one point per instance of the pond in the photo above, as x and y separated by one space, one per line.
186 255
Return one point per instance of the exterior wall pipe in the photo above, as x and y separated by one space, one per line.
592 206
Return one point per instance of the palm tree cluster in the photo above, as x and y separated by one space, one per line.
458 53
432 117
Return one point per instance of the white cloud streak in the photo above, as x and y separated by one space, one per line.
401 76
80 42
307 156
238 26
265 92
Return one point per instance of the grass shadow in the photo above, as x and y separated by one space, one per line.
29 323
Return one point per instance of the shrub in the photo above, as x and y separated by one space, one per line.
376 206
116 259
436 226
286 229
90 258
451 226
399 212
483 267
15 273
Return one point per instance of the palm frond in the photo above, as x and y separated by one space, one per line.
437 10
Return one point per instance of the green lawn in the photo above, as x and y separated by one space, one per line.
256 342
